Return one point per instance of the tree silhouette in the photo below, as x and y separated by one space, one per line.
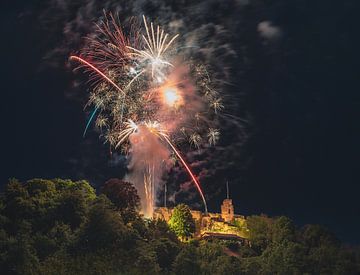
124 196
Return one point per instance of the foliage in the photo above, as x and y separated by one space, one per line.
102 218
260 232
124 196
62 227
182 222
165 251
186 263
226 265
281 249
157 229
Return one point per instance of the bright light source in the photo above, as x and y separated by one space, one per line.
132 70
171 96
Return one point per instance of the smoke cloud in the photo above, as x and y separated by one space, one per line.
268 31
149 159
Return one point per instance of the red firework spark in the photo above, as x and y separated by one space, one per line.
197 184
88 64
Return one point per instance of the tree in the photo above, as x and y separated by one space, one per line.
284 258
144 260
282 229
186 262
325 253
159 228
43 202
264 231
104 228
62 227
166 252
314 236
38 219
226 265
208 253
124 196
260 232
182 222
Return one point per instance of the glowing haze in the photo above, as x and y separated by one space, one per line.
171 96
146 97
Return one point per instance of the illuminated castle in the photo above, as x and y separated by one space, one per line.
227 210
224 225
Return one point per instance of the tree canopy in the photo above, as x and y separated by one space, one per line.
182 222
63 227
124 196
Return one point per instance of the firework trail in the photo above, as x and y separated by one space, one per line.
147 97
96 70
149 186
189 171
89 121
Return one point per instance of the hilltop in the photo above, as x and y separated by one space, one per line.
64 227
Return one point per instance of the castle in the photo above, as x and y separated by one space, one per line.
224 225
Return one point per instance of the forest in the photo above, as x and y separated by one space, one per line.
57 226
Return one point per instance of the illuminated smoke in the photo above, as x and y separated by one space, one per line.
149 159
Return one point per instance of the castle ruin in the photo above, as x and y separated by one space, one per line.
224 225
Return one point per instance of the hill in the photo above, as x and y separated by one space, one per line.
63 227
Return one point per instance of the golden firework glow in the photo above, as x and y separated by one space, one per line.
171 97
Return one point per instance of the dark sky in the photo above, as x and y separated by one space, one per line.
301 157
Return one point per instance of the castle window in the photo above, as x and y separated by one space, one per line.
229 211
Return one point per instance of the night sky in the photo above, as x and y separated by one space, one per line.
294 81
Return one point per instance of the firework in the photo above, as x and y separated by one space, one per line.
197 184
140 87
154 50
88 64
149 187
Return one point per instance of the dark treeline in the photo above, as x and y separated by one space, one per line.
63 227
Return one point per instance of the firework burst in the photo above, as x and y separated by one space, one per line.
139 82
154 51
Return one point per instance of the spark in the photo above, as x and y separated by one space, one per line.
213 136
217 105
195 139
149 187
89 121
130 128
110 138
155 128
79 59
133 79
101 122
197 184
156 46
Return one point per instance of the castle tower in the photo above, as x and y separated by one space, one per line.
227 210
